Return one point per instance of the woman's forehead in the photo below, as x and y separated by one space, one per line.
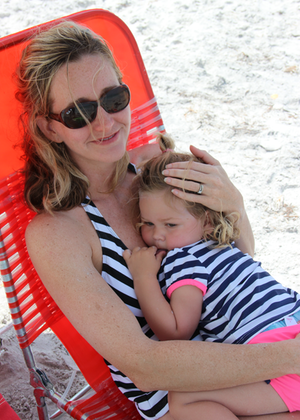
84 78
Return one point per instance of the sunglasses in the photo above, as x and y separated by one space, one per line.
113 101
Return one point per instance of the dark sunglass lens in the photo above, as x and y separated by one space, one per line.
74 118
115 100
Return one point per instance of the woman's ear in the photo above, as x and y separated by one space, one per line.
47 128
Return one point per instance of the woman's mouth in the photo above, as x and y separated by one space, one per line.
108 138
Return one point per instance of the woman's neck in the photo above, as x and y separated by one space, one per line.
102 185
104 177
100 177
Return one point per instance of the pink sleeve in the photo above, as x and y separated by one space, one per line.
186 282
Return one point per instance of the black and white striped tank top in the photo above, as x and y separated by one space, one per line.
151 405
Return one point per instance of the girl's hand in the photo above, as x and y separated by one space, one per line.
143 263
218 192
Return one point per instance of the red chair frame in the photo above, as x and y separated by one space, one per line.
32 308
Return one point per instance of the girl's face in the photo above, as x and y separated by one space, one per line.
167 224
103 140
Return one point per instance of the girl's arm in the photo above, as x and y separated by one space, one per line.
218 194
176 320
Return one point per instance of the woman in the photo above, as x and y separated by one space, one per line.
75 147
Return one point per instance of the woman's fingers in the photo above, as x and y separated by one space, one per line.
205 183
206 157
189 176
196 178
187 184
188 168
208 201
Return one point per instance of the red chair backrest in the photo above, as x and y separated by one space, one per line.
39 311
127 55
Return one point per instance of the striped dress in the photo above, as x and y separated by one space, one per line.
151 405
240 298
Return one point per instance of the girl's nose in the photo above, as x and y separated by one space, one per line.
158 234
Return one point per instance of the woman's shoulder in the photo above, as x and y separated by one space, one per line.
47 219
57 238
46 226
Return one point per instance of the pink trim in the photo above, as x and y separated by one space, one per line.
186 282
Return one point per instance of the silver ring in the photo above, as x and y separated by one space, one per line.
200 189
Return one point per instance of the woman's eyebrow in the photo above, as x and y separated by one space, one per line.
85 99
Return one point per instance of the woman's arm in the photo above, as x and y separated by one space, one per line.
65 252
218 194
176 320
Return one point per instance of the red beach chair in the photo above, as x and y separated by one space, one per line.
32 308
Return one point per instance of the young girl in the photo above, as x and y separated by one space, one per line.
211 285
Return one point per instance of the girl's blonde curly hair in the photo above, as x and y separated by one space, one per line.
150 179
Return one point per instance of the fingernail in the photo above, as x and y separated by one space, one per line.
165 172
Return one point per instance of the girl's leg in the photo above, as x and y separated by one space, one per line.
201 410
246 400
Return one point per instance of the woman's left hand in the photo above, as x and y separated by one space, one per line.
211 187
218 192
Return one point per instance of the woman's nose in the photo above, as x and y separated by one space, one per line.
103 120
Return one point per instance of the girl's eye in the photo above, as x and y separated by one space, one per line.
147 223
171 225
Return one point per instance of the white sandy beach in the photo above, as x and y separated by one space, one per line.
226 78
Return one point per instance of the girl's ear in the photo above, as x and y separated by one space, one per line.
48 129
208 225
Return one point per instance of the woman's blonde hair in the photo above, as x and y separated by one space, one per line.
150 179
53 181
